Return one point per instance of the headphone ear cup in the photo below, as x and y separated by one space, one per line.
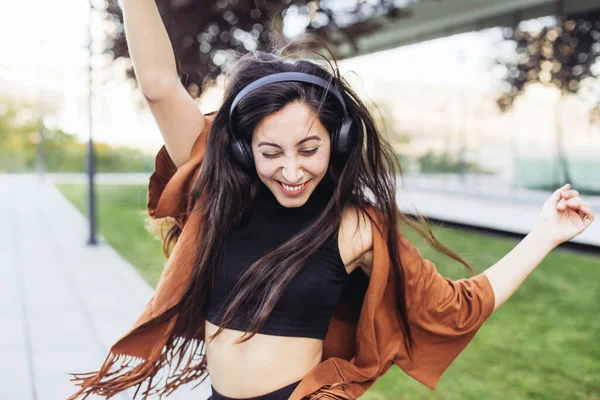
342 140
242 153
247 154
334 140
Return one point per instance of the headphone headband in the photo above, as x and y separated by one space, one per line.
284 77
340 139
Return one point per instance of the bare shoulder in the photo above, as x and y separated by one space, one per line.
355 240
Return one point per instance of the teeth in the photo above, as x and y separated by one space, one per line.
292 188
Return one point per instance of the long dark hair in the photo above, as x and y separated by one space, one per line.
224 193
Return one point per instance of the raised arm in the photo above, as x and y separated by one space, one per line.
175 111
507 275
563 216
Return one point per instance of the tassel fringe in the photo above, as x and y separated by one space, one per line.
122 371
325 394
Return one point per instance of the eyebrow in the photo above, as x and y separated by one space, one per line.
306 139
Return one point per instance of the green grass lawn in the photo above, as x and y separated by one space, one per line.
541 344
121 221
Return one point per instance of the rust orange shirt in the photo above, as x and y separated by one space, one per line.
364 339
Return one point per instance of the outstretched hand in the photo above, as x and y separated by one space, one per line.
564 215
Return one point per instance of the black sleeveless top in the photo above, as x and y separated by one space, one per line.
306 306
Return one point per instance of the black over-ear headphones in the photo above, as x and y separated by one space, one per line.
340 139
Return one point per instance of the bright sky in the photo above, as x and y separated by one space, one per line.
457 61
45 32
40 35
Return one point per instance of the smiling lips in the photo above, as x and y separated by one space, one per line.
292 190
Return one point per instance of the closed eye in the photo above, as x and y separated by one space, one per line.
307 152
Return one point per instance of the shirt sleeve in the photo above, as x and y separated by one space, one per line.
444 315
169 186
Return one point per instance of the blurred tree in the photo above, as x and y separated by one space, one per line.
560 55
206 34
388 125
445 163
19 138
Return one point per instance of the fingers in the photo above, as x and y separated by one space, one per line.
573 202
587 211
569 193
571 199
589 216
557 193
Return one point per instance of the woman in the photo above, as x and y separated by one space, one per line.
283 201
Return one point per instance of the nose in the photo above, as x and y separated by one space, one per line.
291 170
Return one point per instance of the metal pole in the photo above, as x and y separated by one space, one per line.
41 154
40 159
91 155
41 165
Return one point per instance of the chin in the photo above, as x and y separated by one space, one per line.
292 203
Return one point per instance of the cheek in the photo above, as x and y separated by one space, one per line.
265 168
318 164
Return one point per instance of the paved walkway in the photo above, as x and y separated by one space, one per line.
62 303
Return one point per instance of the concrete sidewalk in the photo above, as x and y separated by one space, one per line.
62 303
485 202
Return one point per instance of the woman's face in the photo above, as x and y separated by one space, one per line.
290 159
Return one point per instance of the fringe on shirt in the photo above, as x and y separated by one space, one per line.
122 371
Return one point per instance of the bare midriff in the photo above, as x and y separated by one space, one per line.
267 362
260 365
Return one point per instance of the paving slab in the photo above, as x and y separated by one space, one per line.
62 303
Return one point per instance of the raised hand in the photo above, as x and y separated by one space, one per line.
564 215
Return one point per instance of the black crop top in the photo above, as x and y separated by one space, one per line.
306 306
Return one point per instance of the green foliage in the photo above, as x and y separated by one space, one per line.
206 34
18 137
431 162
561 54
63 152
